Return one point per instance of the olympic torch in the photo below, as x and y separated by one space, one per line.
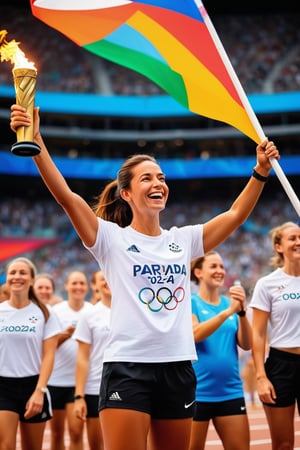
24 75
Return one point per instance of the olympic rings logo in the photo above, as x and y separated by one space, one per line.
163 298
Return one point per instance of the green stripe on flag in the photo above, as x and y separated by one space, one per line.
153 69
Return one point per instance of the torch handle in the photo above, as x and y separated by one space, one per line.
25 82
25 85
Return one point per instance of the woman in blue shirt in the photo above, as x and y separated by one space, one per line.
220 325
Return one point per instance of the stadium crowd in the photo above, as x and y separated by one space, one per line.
254 47
246 253
265 58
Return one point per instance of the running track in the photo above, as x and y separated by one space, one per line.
260 437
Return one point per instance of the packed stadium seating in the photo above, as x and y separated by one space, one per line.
246 253
264 50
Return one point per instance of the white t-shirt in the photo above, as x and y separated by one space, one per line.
93 328
63 373
149 276
279 294
22 332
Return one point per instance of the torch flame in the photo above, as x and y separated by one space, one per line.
10 51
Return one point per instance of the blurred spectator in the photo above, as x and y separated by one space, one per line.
62 380
44 287
94 285
91 334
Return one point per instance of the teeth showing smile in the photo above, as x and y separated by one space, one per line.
156 196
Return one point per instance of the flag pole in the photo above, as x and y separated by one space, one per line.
275 165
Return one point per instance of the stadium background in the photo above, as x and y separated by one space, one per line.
94 114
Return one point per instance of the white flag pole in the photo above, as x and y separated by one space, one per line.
275 165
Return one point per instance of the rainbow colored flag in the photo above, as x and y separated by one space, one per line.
168 41
11 247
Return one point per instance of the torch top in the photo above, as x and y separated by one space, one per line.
10 51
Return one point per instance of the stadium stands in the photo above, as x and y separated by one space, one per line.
256 44
263 50
246 253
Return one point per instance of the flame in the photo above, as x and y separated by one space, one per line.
10 51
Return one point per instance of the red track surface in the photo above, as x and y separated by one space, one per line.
259 432
260 437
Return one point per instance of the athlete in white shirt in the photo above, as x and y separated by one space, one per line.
28 338
148 384
91 334
276 310
62 380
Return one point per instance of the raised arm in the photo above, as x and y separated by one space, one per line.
220 227
79 212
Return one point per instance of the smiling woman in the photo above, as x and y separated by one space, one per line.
62 380
276 308
219 330
30 330
150 348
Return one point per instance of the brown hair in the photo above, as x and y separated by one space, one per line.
198 264
277 260
48 277
4 292
110 205
31 293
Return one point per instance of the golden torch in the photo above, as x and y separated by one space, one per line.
24 74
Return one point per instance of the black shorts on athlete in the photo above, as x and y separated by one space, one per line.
206 411
61 396
283 370
15 393
92 402
163 390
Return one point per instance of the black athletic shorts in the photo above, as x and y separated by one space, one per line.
15 393
92 402
61 396
163 390
206 411
283 370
